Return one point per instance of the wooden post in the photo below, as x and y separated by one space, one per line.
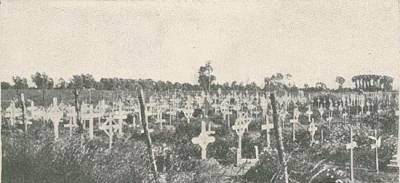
146 131
91 136
398 133
377 143
351 157
77 110
23 112
1 142
351 146
278 136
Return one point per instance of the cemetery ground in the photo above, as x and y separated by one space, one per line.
322 155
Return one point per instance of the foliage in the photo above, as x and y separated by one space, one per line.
206 77
20 82
340 80
5 85
35 157
42 81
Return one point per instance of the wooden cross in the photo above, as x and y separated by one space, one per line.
295 121
171 112
362 104
240 127
351 146
309 113
203 140
312 129
55 115
376 146
226 112
321 111
150 131
267 126
368 108
71 115
120 117
159 119
109 127
188 112
12 112
88 117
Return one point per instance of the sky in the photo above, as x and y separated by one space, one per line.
313 40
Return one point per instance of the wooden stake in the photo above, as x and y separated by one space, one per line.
23 112
145 125
278 136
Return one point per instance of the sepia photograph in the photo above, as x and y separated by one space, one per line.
200 91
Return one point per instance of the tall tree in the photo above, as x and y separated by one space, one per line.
20 83
340 80
5 85
321 86
62 84
42 81
277 82
206 77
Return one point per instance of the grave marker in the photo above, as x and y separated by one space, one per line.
376 146
55 115
312 129
351 146
109 127
240 127
267 126
204 139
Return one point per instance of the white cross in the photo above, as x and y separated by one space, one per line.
368 108
376 146
88 117
240 126
312 129
12 112
226 112
267 126
159 119
188 112
309 113
294 121
71 115
109 127
55 115
120 117
203 140
351 146
321 111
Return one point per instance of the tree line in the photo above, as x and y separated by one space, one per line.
87 81
206 82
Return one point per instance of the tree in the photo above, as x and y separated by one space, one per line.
20 83
234 85
206 77
277 82
320 86
62 84
42 81
5 85
340 80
